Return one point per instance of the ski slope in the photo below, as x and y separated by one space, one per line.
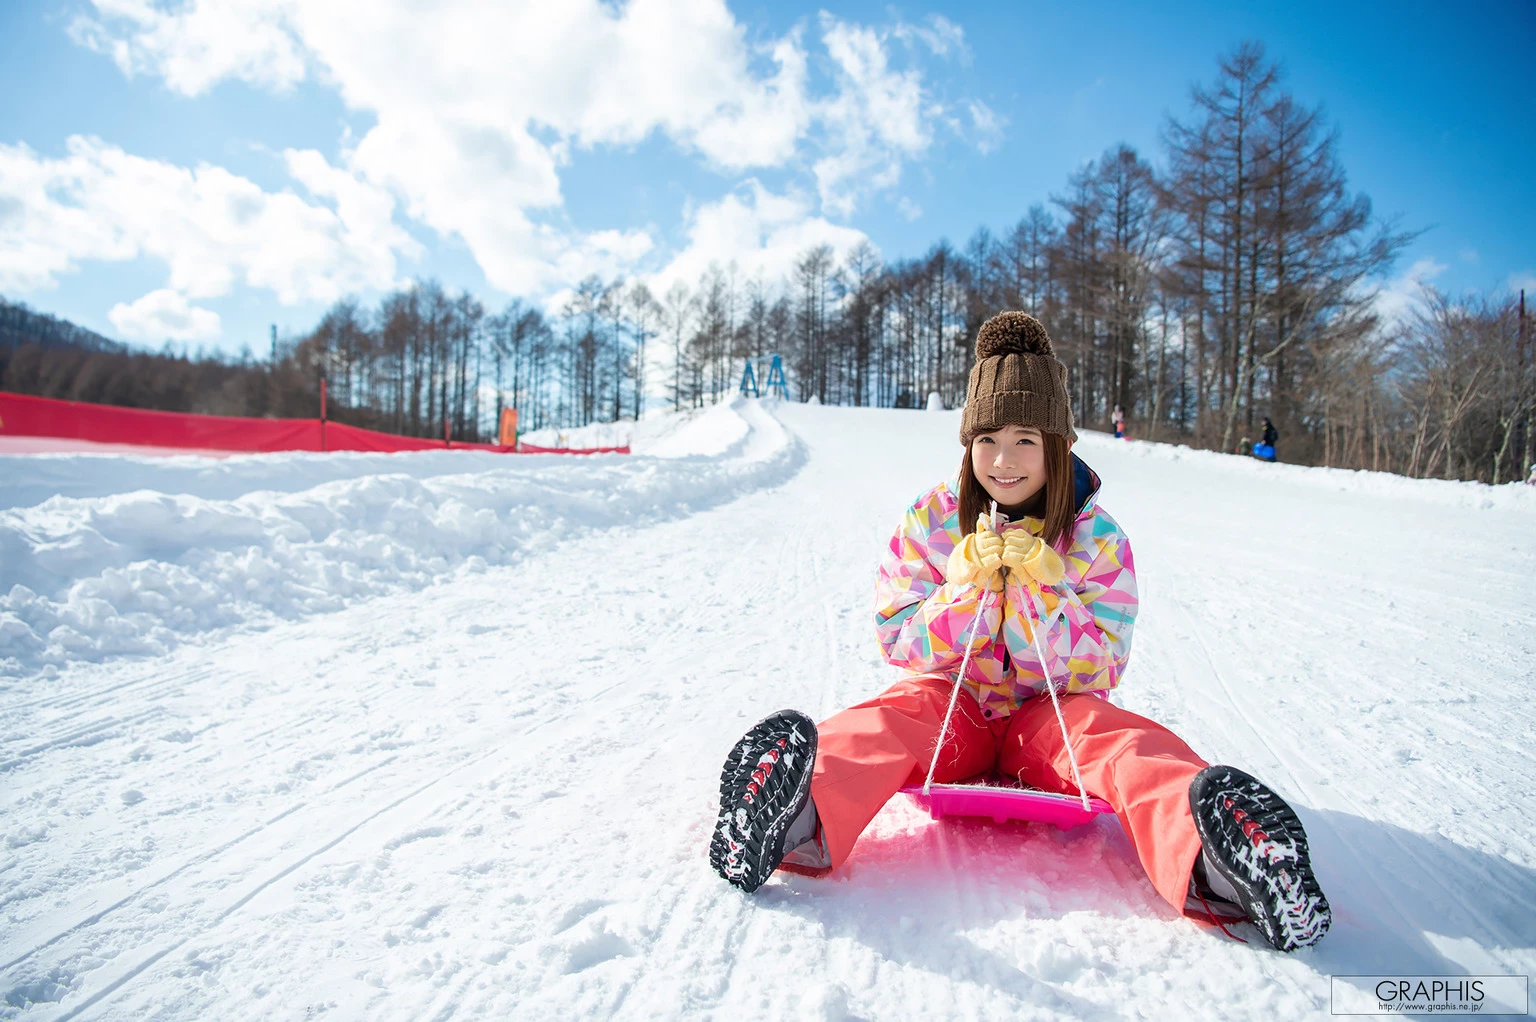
437 736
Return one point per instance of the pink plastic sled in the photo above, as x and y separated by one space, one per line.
986 798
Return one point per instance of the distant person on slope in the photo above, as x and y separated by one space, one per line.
1265 448
1118 418
796 795
1532 480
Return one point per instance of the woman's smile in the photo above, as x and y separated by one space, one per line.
1009 463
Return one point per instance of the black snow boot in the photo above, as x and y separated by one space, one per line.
765 785
1256 843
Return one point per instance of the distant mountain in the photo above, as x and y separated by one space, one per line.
46 356
20 325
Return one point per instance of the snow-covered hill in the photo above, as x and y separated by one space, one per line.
136 554
438 735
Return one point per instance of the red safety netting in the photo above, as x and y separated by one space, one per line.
25 415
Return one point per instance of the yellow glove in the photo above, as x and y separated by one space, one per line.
978 559
1031 559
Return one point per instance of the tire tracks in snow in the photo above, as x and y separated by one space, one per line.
148 682
120 979
25 942
1364 860
127 974
1203 685
165 875
79 736
203 915
790 662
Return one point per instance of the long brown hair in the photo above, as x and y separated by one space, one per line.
1060 491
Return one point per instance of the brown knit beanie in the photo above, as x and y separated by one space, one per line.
1016 380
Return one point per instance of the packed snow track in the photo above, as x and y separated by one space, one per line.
437 736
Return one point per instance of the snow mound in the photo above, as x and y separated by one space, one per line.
202 546
712 431
655 430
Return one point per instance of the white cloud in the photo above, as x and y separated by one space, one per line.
909 210
366 213
608 254
210 227
479 105
1524 279
203 42
590 70
1397 300
939 34
878 118
476 111
987 124
763 233
164 315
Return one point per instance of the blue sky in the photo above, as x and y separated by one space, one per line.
195 171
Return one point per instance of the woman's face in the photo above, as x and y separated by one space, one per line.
1009 463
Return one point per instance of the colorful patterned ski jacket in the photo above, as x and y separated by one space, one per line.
922 620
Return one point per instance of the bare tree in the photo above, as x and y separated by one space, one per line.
678 308
644 311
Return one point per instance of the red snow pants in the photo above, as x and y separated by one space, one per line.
868 752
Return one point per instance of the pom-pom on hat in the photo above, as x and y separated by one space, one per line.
1016 380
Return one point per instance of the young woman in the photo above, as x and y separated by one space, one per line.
795 795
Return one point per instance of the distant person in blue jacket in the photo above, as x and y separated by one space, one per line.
1265 448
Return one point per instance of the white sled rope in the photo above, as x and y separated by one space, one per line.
1036 630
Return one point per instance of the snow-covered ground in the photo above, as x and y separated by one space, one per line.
160 549
438 735
658 427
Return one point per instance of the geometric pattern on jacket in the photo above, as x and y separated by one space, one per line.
922 620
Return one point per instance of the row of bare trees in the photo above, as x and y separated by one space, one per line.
1237 279
1240 282
1465 382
